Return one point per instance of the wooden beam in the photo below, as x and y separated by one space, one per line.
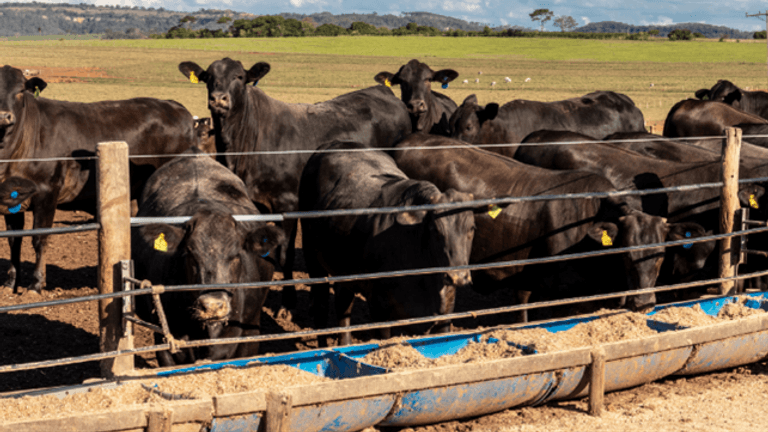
113 195
159 420
597 382
278 415
729 203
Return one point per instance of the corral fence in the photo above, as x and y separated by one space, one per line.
116 282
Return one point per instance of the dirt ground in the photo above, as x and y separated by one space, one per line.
724 401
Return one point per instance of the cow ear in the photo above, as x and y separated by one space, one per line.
384 77
445 76
162 238
257 72
604 233
193 72
488 113
35 84
684 230
471 99
702 94
410 218
15 191
264 240
734 96
750 196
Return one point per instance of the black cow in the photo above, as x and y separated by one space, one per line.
629 170
659 147
753 102
429 110
211 248
35 127
694 118
596 114
543 228
344 245
205 135
245 119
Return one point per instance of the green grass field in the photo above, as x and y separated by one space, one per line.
315 69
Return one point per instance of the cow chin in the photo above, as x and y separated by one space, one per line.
641 303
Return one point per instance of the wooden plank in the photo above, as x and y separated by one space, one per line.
597 382
682 338
239 403
113 196
192 411
729 203
278 416
93 422
159 420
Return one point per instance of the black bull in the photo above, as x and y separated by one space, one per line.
34 127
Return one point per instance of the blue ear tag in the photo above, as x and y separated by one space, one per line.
689 245
14 194
264 240
445 85
15 209
255 82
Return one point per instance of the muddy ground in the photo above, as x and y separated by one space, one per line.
727 400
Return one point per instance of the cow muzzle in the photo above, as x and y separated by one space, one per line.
219 103
7 118
417 107
212 307
459 278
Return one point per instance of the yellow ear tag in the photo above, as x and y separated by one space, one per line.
753 202
387 83
606 239
160 243
494 211
192 78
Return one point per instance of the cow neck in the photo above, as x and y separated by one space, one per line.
239 132
24 141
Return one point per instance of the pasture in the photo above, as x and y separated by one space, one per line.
315 69
310 70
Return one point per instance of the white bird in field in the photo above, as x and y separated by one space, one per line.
493 83
479 72
477 80
465 82
507 80
527 80
651 84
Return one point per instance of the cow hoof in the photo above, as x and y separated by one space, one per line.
37 287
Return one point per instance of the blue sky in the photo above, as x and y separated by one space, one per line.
495 12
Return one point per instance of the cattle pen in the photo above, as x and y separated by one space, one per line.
411 397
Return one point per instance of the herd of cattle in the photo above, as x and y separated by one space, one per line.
372 150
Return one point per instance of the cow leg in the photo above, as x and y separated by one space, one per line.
44 213
345 299
14 222
522 298
320 307
447 304
289 299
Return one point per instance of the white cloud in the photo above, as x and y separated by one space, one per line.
586 20
663 21
511 15
503 21
465 6
300 3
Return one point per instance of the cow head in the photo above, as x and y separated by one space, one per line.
724 91
14 88
415 80
643 266
685 262
227 82
468 119
212 248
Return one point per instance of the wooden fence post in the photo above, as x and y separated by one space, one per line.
113 194
729 203
597 382
279 407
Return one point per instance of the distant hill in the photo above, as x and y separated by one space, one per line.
28 19
440 22
44 19
708 30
